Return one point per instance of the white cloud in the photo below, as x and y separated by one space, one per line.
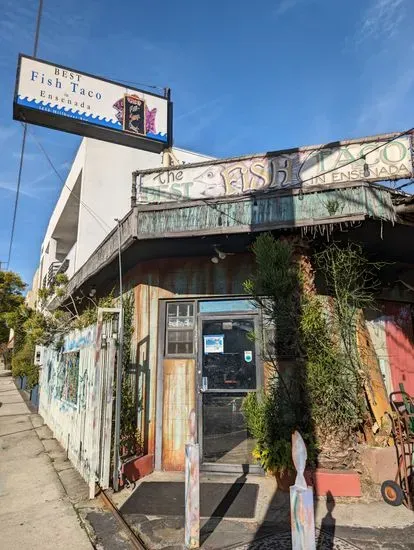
208 105
285 6
380 20
385 110
12 186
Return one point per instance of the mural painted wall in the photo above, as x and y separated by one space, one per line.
342 162
72 401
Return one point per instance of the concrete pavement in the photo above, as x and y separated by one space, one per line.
350 524
35 511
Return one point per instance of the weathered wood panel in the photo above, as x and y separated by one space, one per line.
374 383
145 356
376 329
179 399
77 422
332 206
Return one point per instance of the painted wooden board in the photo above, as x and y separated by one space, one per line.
374 386
179 400
377 330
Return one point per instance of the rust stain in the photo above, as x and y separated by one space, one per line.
193 276
374 385
166 278
179 399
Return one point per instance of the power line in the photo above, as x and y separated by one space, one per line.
362 157
153 86
96 216
406 184
19 175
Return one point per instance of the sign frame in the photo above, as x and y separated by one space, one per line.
305 168
38 117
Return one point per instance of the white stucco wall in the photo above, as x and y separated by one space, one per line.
106 175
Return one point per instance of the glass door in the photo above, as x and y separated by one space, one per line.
227 372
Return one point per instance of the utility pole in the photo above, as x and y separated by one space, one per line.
118 394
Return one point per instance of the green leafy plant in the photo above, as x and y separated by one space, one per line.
316 377
131 438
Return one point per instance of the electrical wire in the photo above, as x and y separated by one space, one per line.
404 185
96 216
19 175
362 157
152 86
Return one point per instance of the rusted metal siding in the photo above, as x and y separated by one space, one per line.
179 400
169 278
289 210
145 344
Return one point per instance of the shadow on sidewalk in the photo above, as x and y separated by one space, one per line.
219 513
327 533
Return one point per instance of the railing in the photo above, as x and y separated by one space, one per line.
51 273
66 266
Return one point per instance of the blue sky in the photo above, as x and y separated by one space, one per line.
245 77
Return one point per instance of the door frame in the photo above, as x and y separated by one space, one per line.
255 317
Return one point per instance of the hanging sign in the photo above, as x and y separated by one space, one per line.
65 99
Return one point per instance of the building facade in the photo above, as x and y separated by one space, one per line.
184 266
97 191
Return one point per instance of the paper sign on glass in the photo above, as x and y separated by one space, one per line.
214 343
248 356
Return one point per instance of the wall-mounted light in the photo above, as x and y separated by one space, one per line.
92 292
220 253
215 260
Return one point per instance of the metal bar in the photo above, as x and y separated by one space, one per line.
39 19
117 433
132 536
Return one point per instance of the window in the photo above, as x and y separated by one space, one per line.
180 328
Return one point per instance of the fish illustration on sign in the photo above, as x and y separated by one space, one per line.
150 114
210 182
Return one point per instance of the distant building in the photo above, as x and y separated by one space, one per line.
96 191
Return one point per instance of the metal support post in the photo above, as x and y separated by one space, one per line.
118 398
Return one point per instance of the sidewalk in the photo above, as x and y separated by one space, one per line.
239 520
35 511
